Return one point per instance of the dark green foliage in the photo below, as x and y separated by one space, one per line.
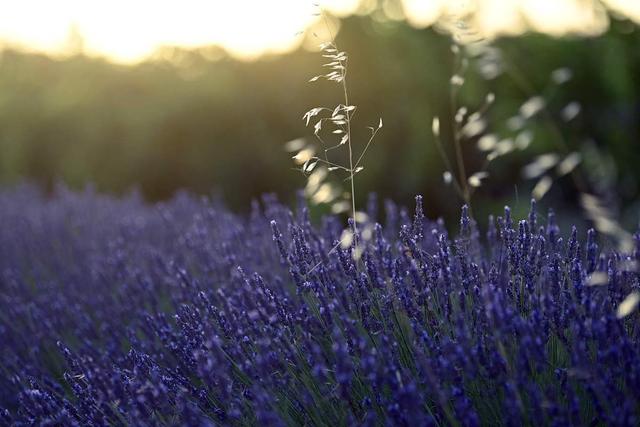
184 121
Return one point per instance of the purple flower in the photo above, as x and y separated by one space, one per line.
118 312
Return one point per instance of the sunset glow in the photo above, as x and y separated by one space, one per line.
127 31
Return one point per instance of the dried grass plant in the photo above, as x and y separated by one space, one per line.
332 130
469 47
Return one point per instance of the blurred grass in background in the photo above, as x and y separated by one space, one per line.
197 119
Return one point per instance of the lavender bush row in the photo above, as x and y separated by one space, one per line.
114 312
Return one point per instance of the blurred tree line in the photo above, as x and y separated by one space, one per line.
202 121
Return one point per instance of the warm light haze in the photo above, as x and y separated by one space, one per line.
129 31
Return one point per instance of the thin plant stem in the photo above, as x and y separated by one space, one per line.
353 187
373 135
347 119
464 186
447 164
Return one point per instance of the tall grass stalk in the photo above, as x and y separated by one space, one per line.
315 167
546 168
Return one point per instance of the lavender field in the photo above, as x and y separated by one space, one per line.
118 312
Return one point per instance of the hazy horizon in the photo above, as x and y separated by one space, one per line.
129 33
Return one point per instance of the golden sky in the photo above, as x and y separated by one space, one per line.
130 30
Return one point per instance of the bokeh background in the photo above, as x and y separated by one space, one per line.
203 95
